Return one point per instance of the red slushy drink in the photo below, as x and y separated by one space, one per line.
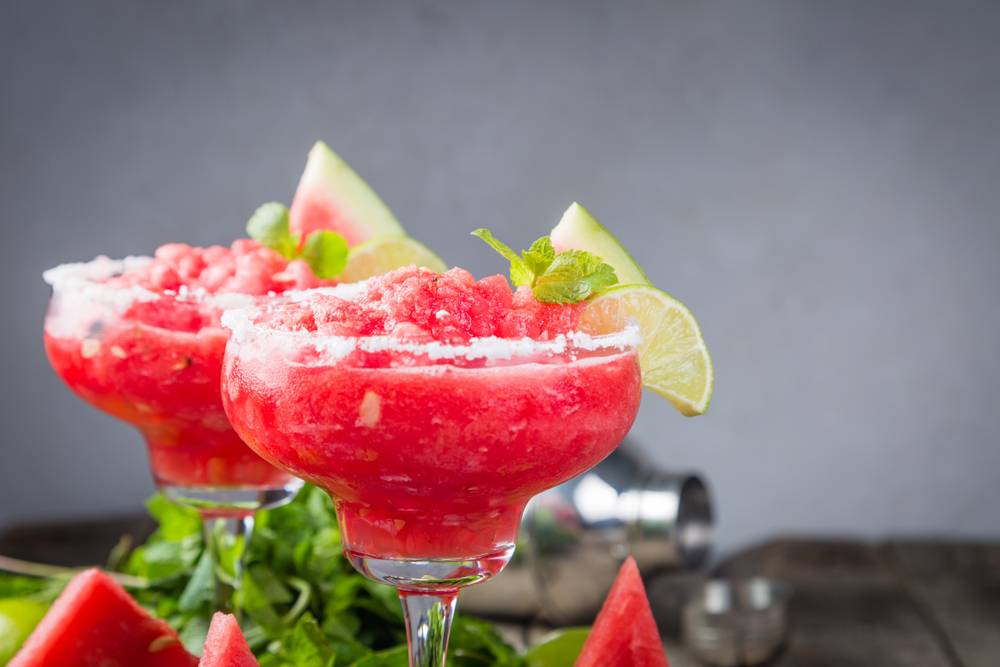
431 407
140 339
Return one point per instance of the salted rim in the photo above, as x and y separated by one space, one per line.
241 322
83 278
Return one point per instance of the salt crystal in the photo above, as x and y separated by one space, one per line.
346 291
242 323
84 279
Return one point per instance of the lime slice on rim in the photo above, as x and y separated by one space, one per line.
385 253
674 360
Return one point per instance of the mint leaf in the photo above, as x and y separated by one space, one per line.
559 293
176 522
201 586
269 226
345 618
257 606
477 640
520 274
193 634
567 277
540 256
392 657
601 277
504 250
307 646
574 276
326 253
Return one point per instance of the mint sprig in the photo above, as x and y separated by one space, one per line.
324 251
570 276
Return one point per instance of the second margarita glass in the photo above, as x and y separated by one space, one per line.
154 359
431 450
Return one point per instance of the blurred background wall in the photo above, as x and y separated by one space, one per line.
819 182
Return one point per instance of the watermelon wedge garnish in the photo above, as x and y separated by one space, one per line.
624 634
225 645
95 623
332 196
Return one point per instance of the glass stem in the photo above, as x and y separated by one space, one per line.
227 539
428 623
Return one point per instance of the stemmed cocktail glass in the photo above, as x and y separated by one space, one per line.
154 360
429 450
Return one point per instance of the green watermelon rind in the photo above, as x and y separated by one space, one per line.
579 230
328 178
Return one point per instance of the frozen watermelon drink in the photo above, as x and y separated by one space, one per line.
427 410
432 407
140 339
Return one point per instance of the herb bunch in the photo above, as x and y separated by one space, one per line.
570 276
304 604
324 251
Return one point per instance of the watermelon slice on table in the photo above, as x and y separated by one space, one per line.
95 623
624 634
332 196
225 645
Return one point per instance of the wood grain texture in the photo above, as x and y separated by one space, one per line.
848 608
73 544
904 603
958 587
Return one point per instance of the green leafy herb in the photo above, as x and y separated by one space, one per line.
567 277
269 226
324 251
305 645
559 648
304 603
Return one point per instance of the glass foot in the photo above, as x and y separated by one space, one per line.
430 574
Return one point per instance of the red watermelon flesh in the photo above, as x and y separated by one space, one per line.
225 645
332 196
624 634
95 623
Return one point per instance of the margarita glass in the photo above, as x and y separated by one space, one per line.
153 358
430 450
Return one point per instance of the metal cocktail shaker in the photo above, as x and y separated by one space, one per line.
574 538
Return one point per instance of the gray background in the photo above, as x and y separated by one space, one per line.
817 181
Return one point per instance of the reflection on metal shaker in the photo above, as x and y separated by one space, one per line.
574 538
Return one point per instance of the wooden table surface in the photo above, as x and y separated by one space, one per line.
905 603
855 604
